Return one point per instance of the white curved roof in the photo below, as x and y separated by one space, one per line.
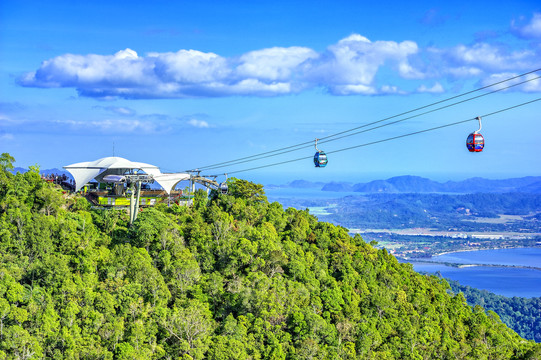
111 162
85 171
170 180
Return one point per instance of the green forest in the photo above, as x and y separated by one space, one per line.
521 314
231 277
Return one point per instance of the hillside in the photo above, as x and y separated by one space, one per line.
233 277
521 314
437 211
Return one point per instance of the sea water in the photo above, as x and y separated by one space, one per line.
506 281
519 256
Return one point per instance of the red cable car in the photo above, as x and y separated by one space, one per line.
475 141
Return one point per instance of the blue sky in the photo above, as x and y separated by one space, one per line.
182 84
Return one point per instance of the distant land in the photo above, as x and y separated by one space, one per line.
397 185
44 172
417 184
414 216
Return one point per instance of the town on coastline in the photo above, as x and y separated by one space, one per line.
417 244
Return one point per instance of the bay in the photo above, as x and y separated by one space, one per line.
519 256
504 281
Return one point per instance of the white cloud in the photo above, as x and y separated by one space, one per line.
112 126
463 71
348 67
257 87
388 89
532 86
353 90
479 61
530 83
530 30
120 110
6 136
352 66
122 70
486 56
4 120
355 61
189 67
274 64
198 123
435 89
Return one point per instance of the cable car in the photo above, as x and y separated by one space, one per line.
320 158
223 188
114 178
475 141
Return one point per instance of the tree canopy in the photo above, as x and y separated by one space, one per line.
234 277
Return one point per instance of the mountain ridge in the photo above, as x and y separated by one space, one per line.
418 184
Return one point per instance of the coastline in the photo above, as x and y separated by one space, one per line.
487 248
466 264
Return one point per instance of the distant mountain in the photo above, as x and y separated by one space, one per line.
417 184
479 184
409 183
297 184
304 184
44 172
376 186
56 171
531 188
19 170
338 186
400 184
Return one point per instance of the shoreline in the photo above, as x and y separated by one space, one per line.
486 248
466 265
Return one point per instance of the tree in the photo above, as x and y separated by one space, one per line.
246 190
49 199
6 162
189 326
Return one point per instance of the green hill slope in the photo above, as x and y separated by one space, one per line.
521 314
233 277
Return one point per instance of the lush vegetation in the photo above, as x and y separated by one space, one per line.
437 211
521 314
232 277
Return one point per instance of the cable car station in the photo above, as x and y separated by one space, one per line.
118 182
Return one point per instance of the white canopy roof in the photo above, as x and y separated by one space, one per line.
170 180
83 172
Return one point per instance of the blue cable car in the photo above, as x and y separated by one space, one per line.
223 188
320 158
475 141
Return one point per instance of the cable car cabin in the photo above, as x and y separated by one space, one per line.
475 142
320 159
223 188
